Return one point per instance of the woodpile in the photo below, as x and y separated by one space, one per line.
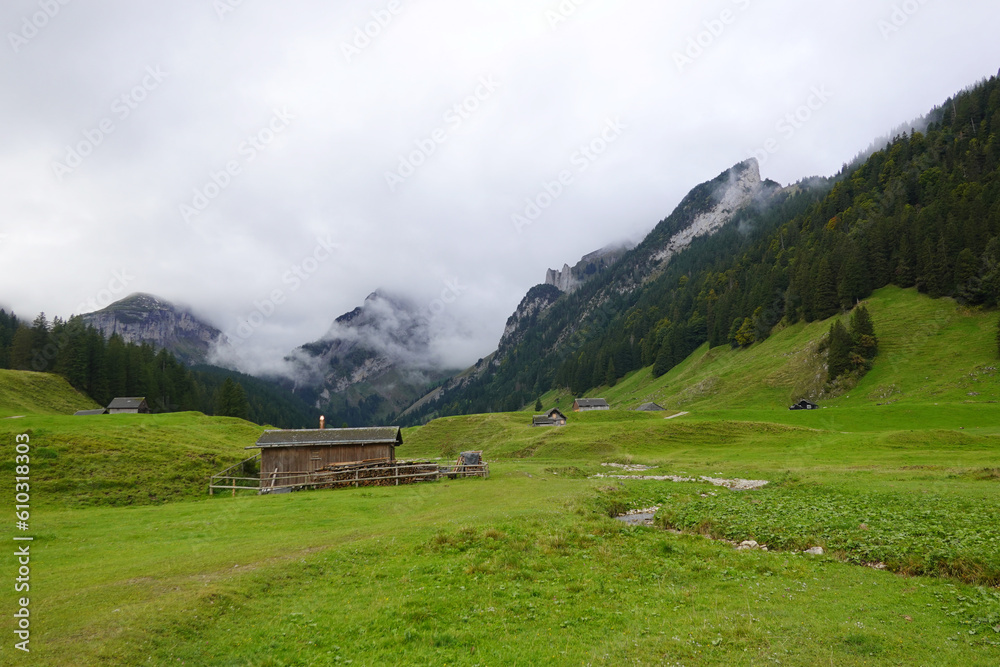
381 472
373 472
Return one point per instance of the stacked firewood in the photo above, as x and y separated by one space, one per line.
381 472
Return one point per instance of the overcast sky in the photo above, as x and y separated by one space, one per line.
219 153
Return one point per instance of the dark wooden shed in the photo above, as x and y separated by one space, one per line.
128 405
551 418
308 450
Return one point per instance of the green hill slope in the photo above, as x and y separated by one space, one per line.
930 351
25 392
126 459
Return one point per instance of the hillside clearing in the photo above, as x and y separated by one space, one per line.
24 392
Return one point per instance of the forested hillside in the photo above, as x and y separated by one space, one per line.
104 368
924 211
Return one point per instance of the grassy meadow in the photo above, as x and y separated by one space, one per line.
133 563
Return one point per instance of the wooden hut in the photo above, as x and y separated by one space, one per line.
133 405
649 407
302 452
84 413
804 405
588 404
552 418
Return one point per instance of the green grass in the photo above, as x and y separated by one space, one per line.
930 351
126 459
528 567
24 393
525 568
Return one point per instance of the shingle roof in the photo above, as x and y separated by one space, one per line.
371 435
649 407
101 411
125 403
591 402
555 411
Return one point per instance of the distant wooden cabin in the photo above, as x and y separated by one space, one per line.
305 451
588 404
552 418
804 405
83 413
649 407
134 405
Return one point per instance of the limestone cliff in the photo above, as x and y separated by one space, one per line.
570 278
144 318
737 190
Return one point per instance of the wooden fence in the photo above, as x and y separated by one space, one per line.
341 475
244 476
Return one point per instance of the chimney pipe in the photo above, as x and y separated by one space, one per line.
322 422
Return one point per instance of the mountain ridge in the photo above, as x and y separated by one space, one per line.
739 258
145 318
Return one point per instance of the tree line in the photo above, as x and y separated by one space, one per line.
104 368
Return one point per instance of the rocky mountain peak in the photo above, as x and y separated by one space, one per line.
713 204
569 279
145 318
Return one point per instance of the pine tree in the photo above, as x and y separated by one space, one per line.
538 404
581 379
998 336
20 352
825 301
839 355
853 281
611 377
662 363
966 268
904 269
240 405
734 331
865 344
940 280
224 399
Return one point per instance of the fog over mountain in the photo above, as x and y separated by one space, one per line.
272 164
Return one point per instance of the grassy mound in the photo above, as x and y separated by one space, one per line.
27 393
126 459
